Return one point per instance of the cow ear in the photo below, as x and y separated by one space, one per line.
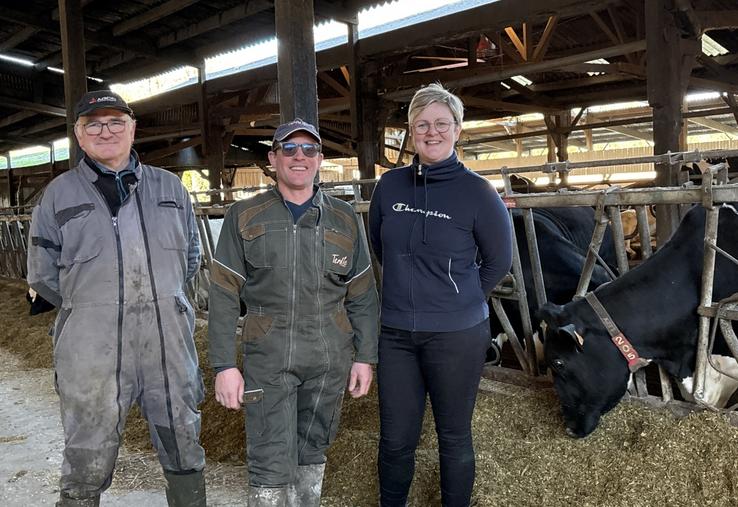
571 331
550 313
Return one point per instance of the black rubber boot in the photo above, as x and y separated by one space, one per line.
185 489
65 501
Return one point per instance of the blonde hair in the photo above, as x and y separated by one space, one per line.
435 92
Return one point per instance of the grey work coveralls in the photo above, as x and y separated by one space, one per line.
124 332
312 310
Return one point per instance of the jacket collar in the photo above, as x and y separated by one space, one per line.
442 171
318 196
91 169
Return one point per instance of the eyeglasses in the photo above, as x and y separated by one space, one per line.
310 150
95 128
441 126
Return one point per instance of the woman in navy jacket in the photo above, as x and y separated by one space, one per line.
442 236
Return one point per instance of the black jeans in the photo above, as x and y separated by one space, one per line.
447 366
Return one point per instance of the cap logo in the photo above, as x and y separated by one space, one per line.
103 99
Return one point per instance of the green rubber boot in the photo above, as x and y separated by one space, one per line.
185 489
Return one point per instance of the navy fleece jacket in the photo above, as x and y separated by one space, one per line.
443 238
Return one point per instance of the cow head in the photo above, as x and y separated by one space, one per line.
590 376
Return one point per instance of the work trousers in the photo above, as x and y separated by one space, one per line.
447 367
302 367
101 373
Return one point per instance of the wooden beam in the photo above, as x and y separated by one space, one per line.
32 106
20 36
247 130
729 130
170 150
250 111
540 51
724 74
499 105
509 50
226 17
55 12
519 45
15 118
328 79
150 16
338 12
467 77
603 26
718 20
609 68
101 38
341 148
635 134
488 18
40 126
712 85
346 74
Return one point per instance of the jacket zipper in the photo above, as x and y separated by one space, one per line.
456 287
292 297
121 295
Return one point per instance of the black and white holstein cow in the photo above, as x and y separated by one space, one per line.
563 236
652 313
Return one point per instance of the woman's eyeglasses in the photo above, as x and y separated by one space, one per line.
441 126
289 149
95 128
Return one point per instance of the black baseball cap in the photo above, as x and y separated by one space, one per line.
287 129
100 99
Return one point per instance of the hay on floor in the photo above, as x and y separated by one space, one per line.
637 456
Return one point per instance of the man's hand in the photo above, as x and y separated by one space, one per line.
229 388
360 379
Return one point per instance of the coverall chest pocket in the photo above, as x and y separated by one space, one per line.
265 245
338 256
170 228
81 239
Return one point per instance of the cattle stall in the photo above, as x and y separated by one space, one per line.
607 204
15 224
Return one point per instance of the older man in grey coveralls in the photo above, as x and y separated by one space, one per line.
298 259
113 243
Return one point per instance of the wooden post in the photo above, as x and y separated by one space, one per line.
559 128
212 135
670 59
12 189
296 67
215 155
354 81
75 70
370 142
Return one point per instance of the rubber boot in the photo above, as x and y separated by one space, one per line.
185 489
65 501
267 497
306 490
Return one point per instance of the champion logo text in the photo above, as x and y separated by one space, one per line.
402 207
